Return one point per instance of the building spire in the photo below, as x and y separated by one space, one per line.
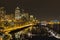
17 8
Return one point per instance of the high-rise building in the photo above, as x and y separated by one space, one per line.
2 13
17 13
25 16
31 17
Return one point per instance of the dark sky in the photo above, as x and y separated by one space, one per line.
43 9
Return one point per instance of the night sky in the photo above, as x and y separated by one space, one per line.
42 9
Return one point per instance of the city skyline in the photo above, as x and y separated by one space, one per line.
45 9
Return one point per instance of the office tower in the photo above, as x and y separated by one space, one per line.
17 13
2 12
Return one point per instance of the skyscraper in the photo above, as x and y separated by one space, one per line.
17 13
2 13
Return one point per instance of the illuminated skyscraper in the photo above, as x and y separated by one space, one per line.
2 13
25 16
17 13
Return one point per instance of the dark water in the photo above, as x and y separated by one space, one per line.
41 38
44 38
